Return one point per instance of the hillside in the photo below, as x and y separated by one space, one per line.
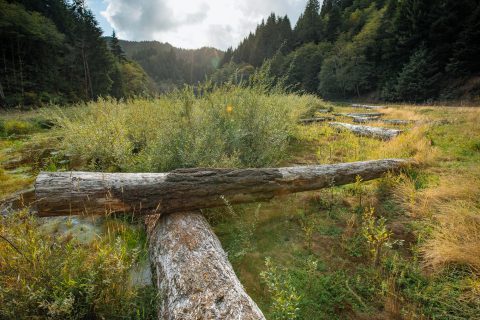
168 65
385 50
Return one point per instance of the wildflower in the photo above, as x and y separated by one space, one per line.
229 108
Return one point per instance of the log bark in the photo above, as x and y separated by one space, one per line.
362 115
193 275
70 193
374 132
364 106
315 120
395 122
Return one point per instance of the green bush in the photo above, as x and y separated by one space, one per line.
224 127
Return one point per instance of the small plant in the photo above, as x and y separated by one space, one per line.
285 299
376 234
308 227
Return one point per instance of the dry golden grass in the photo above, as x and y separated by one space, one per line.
455 239
411 144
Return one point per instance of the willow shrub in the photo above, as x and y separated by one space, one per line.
225 127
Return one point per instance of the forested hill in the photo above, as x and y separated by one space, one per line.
53 51
396 50
168 65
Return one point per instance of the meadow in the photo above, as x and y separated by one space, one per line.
405 246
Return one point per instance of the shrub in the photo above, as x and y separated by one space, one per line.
46 276
225 127
285 300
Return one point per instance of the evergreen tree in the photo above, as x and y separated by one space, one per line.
466 56
115 47
308 28
415 83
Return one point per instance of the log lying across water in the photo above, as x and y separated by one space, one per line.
193 275
70 193
361 115
375 132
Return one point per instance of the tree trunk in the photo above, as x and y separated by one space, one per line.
65 193
375 132
193 275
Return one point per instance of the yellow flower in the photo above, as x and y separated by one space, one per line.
229 108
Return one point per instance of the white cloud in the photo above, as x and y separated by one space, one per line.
194 23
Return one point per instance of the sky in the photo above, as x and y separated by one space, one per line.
189 23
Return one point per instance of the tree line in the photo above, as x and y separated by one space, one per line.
53 51
171 67
395 50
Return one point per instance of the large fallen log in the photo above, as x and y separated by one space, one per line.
193 275
361 115
191 270
69 193
367 131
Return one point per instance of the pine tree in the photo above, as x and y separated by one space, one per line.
115 47
308 28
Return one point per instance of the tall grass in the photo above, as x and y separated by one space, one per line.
229 126
47 276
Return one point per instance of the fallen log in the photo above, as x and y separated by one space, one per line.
364 119
190 268
364 106
315 120
70 193
397 122
367 131
364 115
192 273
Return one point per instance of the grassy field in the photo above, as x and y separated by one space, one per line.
401 247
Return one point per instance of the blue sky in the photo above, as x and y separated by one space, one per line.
189 23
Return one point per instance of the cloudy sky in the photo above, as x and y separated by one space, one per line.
189 23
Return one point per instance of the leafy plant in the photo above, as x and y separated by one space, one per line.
285 300
375 233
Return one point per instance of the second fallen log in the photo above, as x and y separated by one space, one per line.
70 193
367 131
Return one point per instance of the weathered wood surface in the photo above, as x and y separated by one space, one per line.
315 120
193 275
375 132
364 106
365 115
323 110
70 193
364 119
395 122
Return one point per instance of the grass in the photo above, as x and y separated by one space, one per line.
315 255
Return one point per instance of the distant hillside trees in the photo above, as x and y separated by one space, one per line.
169 66
53 51
408 50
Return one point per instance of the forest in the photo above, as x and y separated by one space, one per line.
328 169
388 50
